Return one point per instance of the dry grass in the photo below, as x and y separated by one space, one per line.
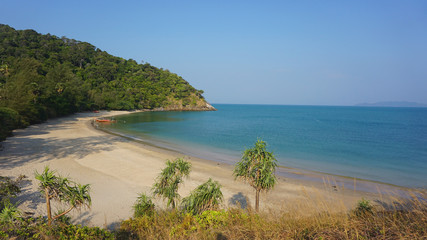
309 218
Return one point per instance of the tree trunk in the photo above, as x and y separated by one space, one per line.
63 213
49 213
257 200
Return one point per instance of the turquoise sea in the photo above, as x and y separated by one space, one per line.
381 144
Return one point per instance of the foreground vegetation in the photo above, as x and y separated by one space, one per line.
317 219
378 223
30 228
239 224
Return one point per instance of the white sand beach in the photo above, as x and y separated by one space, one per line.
119 169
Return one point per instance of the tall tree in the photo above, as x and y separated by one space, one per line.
166 185
257 168
63 190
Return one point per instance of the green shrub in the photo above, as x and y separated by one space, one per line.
38 229
9 189
143 206
206 196
363 207
79 232
3 235
185 227
212 219
9 213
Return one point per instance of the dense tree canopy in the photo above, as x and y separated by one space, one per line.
44 76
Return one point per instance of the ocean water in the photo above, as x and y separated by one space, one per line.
381 144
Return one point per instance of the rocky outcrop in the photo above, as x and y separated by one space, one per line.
191 103
179 107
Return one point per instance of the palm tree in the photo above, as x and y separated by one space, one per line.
62 190
166 185
207 196
257 167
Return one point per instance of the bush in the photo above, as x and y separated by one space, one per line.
9 120
212 219
206 196
363 207
9 213
8 189
143 206
38 229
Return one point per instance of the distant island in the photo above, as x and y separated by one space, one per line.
392 104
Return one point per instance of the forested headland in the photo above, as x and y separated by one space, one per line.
44 76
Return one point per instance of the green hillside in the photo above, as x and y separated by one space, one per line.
43 76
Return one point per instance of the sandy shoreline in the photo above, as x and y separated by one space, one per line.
119 169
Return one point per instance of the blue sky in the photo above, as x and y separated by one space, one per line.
262 52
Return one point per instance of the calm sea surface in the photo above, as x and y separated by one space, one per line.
381 144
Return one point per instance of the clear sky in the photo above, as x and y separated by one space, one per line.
265 52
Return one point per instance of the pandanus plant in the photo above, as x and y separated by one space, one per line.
63 190
207 196
166 185
257 168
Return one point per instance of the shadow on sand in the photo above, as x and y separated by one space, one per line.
239 200
30 145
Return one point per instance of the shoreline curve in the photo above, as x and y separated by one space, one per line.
118 169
